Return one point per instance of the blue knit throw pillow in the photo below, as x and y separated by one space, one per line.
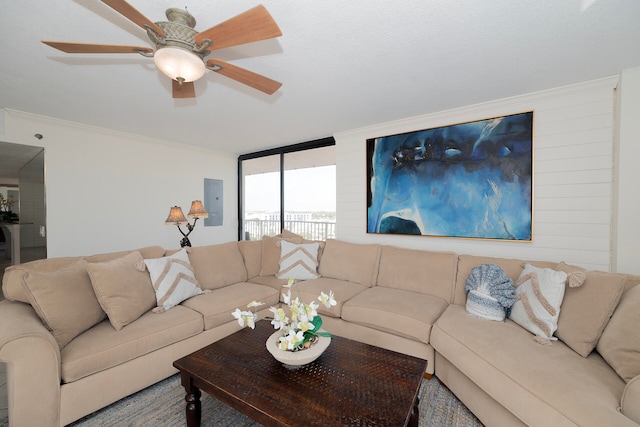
490 293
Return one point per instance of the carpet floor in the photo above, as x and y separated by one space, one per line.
163 405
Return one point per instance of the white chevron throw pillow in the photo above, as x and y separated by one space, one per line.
539 295
298 261
173 279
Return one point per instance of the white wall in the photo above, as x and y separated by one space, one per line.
109 191
573 169
627 218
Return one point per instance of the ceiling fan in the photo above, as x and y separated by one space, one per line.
181 51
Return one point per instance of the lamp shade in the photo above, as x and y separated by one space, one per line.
179 63
197 210
176 217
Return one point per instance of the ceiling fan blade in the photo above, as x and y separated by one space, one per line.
249 78
251 26
96 48
183 90
133 15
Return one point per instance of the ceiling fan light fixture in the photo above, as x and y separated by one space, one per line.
179 64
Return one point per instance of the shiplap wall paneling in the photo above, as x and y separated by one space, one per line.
573 146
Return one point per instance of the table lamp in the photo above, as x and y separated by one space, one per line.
176 217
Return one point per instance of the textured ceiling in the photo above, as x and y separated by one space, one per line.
343 64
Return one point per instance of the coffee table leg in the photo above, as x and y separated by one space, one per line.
193 408
415 416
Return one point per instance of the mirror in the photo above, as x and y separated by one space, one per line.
22 210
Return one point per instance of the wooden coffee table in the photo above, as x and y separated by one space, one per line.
350 384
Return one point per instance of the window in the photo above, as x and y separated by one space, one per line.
291 187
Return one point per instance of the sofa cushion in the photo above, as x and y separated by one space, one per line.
124 291
218 265
353 262
271 254
309 290
620 341
102 347
539 294
146 252
426 272
630 398
271 281
397 311
64 300
251 251
547 385
13 283
298 261
630 281
216 306
586 310
13 279
287 234
173 280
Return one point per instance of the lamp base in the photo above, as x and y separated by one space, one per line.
185 242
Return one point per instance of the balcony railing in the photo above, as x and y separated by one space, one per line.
313 230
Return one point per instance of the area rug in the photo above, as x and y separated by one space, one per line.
163 405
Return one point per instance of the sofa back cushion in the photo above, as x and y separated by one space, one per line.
511 266
217 266
13 286
251 251
619 344
352 262
146 252
13 283
586 310
426 272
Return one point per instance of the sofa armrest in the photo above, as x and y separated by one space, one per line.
32 356
630 402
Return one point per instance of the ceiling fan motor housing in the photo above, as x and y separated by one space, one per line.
179 32
177 53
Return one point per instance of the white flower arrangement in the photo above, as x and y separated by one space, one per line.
299 331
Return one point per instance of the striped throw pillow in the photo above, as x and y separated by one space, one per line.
539 294
173 279
298 261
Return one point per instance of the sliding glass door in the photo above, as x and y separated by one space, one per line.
310 193
261 183
290 187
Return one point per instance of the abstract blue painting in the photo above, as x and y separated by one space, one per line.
471 180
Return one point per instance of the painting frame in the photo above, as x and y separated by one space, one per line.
470 180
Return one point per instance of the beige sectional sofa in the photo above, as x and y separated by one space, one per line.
410 301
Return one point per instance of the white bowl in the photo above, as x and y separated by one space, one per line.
296 358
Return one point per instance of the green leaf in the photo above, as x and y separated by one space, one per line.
317 323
